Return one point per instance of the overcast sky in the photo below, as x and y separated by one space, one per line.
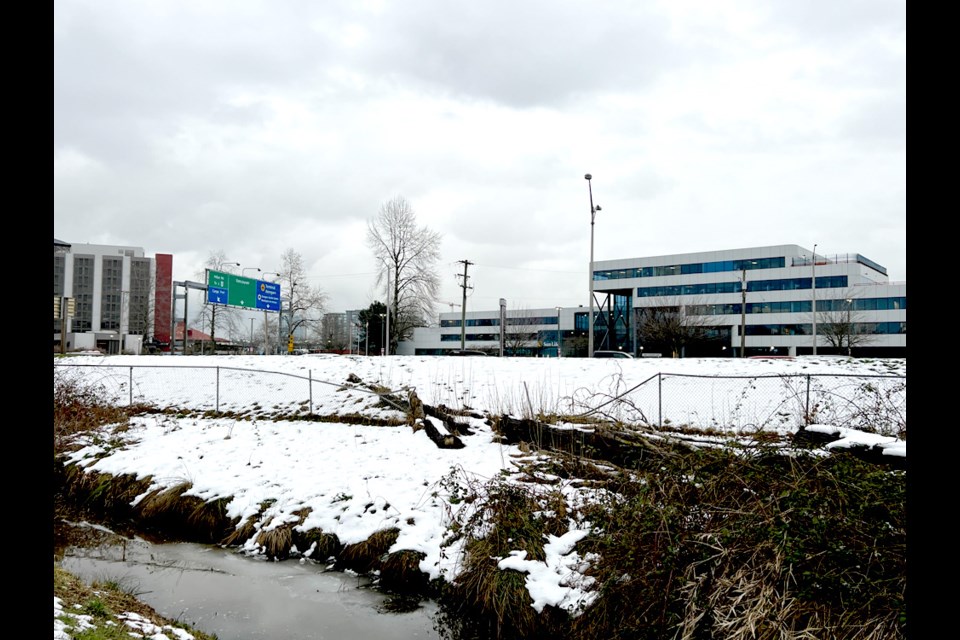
253 127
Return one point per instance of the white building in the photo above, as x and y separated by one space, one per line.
109 291
782 283
527 332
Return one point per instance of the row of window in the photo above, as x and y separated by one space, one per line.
857 328
719 266
800 306
800 329
536 336
710 288
495 322
892 303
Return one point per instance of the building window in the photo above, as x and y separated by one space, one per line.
83 293
111 280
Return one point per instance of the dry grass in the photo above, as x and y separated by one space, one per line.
104 601
276 542
317 545
687 543
241 534
80 405
400 573
365 557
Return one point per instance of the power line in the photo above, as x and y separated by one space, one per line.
485 266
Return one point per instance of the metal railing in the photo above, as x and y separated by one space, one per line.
872 403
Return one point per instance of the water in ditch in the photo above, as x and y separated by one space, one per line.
239 597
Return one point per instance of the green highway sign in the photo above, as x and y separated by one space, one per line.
237 291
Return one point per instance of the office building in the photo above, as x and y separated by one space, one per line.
109 297
738 302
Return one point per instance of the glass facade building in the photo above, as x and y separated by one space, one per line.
772 300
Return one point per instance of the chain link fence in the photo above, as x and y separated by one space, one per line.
871 403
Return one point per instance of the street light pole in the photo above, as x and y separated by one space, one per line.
593 215
813 284
559 336
266 328
383 332
743 309
849 330
243 271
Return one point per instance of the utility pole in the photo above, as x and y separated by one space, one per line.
387 332
743 312
186 331
813 284
593 216
503 323
743 308
463 307
61 308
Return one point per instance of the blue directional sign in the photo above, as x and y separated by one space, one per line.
268 295
237 291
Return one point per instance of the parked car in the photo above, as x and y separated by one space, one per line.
152 345
466 352
611 354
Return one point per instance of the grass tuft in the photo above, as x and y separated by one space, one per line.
366 556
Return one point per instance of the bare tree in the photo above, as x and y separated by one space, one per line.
141 302
518 338
300 302
334 332
407 255
267 331
673 326
842 325
372 326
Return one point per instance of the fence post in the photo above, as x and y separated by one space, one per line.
216 405
806 412
130 382
310 388
660 400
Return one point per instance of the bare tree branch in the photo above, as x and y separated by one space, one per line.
842 324
304 303
408 253
673 325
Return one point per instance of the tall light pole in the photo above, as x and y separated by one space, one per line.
559 336
387 330
849 329
243 271
366 338
743 308
813 284
593 215
383 331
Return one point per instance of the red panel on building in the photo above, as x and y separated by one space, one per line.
163 298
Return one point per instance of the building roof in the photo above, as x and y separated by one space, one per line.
196 335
